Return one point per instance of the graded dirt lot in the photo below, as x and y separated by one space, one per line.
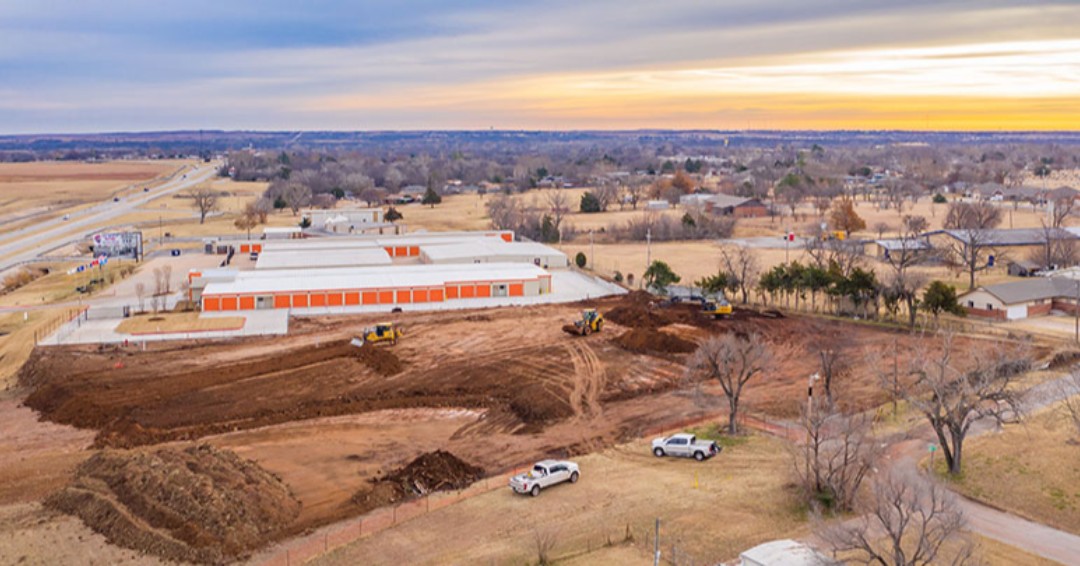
329 419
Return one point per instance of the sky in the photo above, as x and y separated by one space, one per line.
73 66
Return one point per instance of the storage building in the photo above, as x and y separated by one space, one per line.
349 257
1022 299
399 285
484 251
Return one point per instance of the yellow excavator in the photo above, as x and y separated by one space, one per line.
591 321
381 332
716 308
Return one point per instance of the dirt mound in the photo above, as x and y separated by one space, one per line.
380 359
200 504
641 340
535 404
431 471
655 316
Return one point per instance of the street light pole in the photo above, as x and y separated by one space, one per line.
1076 312
592 251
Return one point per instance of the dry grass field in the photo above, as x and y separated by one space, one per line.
58 286
177 322
625 486
1030 469
17 337
27 188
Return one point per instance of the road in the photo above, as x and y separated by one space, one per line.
31 242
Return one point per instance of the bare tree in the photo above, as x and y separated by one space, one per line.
839 453
140 292
205 200
881 227
166 278
832 356
559 206
606 192
740 265
159 282
545 538
956 387
732 361
246 221
908 521
260 209
635 190
372 196
1070 392
911 249
972 240
296 196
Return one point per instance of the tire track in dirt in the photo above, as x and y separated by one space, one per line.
588 380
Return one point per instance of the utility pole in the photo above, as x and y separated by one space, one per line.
809 412
648 248
592 251
1076 311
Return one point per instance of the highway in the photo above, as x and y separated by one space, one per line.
30 242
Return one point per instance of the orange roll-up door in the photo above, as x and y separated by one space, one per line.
370 297
299 300
414 250
386 297
247 303
436 295
211 304
228 303
245 248
508 237
517 289
352 298
401 251
282 302
404 296
335 299
483 290
468 291
318 300
451 292
420 296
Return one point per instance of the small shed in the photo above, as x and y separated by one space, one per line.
657 205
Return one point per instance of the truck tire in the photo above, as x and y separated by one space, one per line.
699 455
573 477
534 491
658 452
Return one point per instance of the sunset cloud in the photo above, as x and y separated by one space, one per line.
76 66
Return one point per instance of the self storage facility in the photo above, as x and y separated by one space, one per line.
494 251
399 285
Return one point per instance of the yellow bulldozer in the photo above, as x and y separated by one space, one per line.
716 308
381 332
591 321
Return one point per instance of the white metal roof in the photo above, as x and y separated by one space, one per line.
354 257
281 230
488 248
374 242
784 552
301 280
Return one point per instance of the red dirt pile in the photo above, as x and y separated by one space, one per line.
641 310
199 504
380 359
642 340
431 471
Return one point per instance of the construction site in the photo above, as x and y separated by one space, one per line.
324 425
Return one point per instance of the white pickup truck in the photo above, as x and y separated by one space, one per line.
543 475
685 445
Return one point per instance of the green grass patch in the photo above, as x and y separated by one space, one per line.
718 434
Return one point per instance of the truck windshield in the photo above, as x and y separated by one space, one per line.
539 470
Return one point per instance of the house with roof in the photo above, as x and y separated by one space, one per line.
1003 240
887 248
1022 299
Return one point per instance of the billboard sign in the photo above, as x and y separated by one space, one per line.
118 244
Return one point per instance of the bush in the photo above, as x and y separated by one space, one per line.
580 260
589 203
617 276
